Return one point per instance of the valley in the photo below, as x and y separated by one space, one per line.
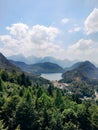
81 78
29 101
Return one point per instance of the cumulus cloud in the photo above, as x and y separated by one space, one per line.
64 20
83 50
37 40
91 22
19 29
42 41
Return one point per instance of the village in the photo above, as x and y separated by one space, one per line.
60 85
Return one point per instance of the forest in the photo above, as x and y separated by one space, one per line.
31 105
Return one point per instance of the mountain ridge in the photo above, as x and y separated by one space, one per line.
38 68
6 64
10 67
34 60
81 71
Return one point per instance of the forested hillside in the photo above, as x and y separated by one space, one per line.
5 64
26 105
39 68
85 71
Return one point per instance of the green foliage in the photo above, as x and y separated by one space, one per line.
24 80
70 126
39 92
50 90
81 89
69 115
44 101
1 85
8 112
2 126
27 96
4 75
93 110
25 115
33 107
58 98
83 117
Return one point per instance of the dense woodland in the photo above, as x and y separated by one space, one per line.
31 105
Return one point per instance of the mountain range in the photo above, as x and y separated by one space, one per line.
34 69
86 70
39 68
6 64
34 60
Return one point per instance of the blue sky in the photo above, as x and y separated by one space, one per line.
58 28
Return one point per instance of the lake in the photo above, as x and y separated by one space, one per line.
52 76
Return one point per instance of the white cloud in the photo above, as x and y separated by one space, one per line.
41 41
91 22
83 50
64 20
18 29
75 29
37 40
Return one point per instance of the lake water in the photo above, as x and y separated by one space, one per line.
52 76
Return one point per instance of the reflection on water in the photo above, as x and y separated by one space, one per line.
52 76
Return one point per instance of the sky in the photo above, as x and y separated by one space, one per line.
64 29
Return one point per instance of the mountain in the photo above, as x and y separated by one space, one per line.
27 60
18 57
79 65
47 67
5 64
34 60
62 63
74 66
21 65
39 68
81 71
10 66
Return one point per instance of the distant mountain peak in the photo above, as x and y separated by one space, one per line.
33 60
